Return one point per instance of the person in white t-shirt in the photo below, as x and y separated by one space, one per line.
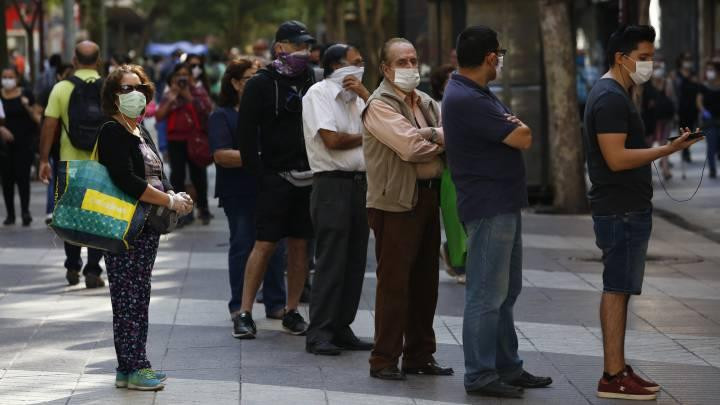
332 126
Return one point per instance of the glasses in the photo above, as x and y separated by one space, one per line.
128 88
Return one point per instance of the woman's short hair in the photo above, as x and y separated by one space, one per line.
235 70
112 86
438 78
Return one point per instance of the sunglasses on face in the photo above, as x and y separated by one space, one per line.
128 88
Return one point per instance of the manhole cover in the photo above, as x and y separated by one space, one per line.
664 260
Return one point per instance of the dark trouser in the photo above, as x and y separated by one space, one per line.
339 216
712 133
406 246
129 274
198 175
240 211
74 262
15 170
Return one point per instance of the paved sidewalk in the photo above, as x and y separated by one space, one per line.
56 341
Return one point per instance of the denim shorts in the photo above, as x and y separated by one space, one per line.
623 239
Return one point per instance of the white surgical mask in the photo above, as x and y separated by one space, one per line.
196 72
132 104
659 73
711 74
499 67
407 79
339 75
643 71
9 84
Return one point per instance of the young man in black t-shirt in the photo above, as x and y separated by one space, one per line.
620 197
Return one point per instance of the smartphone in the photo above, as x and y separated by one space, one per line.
182 83
693 136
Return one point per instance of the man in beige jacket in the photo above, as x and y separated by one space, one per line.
402 144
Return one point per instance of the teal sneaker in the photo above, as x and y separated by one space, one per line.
121 379
144 380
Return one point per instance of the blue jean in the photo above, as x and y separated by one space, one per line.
494 281
240 211
711 137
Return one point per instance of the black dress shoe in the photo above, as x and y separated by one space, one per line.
353 344
388 373
322 348
498 388
527 380
431 368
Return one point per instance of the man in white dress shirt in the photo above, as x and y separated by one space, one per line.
333 126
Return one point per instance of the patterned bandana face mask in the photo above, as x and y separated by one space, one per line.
291 64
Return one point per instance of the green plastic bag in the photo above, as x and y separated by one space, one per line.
91 211
454 230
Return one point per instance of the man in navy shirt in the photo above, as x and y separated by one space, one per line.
483 141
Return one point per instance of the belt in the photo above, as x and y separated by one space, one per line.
342 174
430 183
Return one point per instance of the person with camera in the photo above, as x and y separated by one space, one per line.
186 108
134 165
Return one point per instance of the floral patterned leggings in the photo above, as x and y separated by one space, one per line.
129 276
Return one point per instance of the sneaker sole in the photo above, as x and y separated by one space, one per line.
653 389
159 387
637 397
246 336
290 331
123 384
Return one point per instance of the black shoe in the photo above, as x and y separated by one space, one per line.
306 293
322 348
431 368
294 323
10 220
72 277
244 326
389 373
498 388
713 174
353 344
94 281
26 219
204 216
527 380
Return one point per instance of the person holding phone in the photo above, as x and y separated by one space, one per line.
618 160
186 107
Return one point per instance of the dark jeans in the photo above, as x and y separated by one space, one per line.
15 170
406 246
198 175
494 281
339 216
74 262
240 211
711 137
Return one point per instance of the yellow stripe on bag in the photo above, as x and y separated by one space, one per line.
107 205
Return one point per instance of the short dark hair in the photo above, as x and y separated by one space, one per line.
111 87
626 39
235 70
333 54
87 59
474 43
438 78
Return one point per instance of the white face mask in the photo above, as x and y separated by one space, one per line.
196 72
339 75
407 79
711 74
500 64
9 84
659 73
643 71
132 104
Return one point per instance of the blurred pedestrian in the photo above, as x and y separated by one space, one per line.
270 122
333 139
22 116
237 190
687 89
484 141
439 77
658 112
196 63
135 167
186 106
709 105
402 144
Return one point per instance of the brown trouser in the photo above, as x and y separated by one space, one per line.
406 247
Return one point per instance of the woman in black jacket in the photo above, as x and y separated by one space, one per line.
134 165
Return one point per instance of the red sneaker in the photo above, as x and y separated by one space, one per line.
648 385
623 386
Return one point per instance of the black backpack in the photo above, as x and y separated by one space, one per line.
84 113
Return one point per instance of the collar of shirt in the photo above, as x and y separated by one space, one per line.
410 99
335 87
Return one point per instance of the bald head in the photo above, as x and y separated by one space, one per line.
87 54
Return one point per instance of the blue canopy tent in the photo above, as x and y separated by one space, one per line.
155 48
